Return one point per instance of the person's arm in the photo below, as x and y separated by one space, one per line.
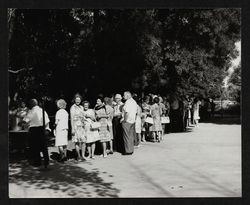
28 117
57 118
91 116
46 121
99 115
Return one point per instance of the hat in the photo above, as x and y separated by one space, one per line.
118 96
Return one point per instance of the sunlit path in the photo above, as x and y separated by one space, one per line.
202 163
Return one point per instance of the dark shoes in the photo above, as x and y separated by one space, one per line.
127 153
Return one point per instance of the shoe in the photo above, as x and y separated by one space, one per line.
105 156
92 157
111 152
128 153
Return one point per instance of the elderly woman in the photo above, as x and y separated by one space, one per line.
78 132
61 131
92 135
102 116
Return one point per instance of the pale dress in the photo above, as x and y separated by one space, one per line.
77 118
61 131
196 110
156 115
110 112
104 129
91 135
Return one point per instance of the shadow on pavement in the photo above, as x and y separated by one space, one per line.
68 179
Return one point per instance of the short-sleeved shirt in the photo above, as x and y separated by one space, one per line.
130 110
35 117
62 117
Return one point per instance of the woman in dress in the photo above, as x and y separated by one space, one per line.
78 132
110 111
61 130
145 112
92 135
156 128
163 114
196 107
102 117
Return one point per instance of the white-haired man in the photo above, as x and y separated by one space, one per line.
129 112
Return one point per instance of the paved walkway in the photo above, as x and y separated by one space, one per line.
202 163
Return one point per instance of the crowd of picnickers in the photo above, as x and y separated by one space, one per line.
119 123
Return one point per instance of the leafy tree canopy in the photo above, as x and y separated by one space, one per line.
166 51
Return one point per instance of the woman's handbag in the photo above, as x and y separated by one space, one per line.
95 125
149 120
165 120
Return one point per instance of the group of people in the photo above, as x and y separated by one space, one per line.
119 123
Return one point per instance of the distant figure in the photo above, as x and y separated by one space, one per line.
61 131
196 107
175 114
156 113
212 108
163 113
37 141
77 129
184 113
167 113
117 128
189 112
145 112
128 123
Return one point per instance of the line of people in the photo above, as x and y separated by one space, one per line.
117 125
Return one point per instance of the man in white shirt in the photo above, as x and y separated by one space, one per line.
129 112
38 142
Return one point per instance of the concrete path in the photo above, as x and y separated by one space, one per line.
202 163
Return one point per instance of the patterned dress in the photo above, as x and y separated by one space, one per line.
91 135
77 119
110 112
104 129
156 115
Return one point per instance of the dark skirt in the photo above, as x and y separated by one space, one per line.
128 137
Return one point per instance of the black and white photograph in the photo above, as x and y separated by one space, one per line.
124 103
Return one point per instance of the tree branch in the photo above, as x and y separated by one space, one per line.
17 71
